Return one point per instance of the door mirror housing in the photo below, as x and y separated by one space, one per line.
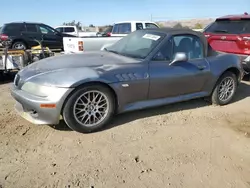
179 56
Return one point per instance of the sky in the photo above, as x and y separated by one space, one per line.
97 12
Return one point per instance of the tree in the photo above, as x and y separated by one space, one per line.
91 25
178 26
198 26
74 23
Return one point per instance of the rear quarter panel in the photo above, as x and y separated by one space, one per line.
219 64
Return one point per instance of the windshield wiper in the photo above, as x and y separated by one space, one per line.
123 54
131 55
221 31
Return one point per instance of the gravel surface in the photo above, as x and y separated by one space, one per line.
186 145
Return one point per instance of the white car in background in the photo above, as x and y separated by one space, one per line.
73 30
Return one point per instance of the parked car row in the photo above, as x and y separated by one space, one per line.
24 34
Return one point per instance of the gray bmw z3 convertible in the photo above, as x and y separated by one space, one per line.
147 68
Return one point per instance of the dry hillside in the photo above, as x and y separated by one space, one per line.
189 23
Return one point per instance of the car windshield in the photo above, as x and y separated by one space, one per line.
229 27
137 44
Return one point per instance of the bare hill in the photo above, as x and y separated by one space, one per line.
189 23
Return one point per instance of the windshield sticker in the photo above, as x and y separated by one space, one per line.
151 37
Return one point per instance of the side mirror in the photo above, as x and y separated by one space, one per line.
179 56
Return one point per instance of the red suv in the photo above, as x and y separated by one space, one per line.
231 34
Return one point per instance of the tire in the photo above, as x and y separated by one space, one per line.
215 97
1 76
20 44
71 115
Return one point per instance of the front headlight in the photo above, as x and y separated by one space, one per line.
41 91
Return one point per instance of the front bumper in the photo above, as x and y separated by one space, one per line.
29 106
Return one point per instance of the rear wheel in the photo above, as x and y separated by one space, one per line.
19 45
225 89
89 108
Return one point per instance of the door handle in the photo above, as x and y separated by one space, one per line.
201 67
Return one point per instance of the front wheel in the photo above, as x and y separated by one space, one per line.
225 89
89 108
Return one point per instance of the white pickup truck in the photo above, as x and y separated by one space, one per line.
120 29
73 30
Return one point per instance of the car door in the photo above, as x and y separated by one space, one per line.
31 34
179 78
51 37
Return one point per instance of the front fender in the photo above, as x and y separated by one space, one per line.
70 78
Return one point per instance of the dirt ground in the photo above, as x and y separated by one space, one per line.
189 145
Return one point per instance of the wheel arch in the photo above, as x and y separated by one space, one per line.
91 83
19 40
233 70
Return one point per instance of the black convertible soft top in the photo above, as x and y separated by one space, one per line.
183 31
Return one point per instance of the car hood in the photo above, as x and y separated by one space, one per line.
98 61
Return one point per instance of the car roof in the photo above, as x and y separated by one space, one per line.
24 22
238 16
181 31
65 26
175 31
134 21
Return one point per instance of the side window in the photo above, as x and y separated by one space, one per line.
150 25
45 30
123 28
189 44
247 28
139 26
166 51
31 28
69 29
13 28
